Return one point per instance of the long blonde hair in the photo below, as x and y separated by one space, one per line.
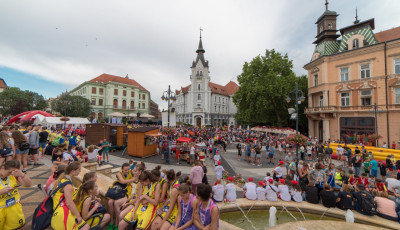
71 167
4 140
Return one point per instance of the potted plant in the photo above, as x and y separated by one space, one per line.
241 183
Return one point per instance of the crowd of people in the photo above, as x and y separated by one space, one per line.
159 198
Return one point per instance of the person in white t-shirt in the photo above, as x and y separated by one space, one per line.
266 179
271 191
283 191
230 190
260 191
219 170
278 170
217 158
296 192
192 154
218 191
249 190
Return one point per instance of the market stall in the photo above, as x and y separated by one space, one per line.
141 141
182 147
114 133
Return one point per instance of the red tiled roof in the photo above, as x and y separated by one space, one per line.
3 83
231 87
111 78
185 89
388 35
215 88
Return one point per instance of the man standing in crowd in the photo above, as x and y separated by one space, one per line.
43 135
34 144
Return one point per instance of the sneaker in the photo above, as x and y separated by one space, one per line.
111 227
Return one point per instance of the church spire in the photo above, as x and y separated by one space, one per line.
200 49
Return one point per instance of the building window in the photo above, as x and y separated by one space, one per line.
132 104
219 99
115 91
198 105
321 100
144 96
344 74
124 93
143 105
345 99
101 91
215 108
198 87
365 71
100 101
330 26
356 43
215 98
84 90
93 101
366 98
124 104
93 90
199 97
397 95
397 66
321 28
132 94
315 79
115 103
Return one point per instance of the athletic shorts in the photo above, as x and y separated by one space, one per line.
12 217
172 217
42 145
270 155
144 216
64 219
33 151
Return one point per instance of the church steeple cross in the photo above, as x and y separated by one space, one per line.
200 32
326 5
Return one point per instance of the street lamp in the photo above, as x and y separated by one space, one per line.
299 95
168 96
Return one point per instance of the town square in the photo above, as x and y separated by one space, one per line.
173 115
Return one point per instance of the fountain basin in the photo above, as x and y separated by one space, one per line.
305 207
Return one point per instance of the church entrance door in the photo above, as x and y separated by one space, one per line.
198 122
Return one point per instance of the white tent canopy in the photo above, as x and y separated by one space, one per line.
49 121
116 114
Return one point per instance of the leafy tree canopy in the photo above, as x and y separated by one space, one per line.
15 101
71 106
263 87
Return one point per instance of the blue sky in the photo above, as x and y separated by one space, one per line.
48 46
26 81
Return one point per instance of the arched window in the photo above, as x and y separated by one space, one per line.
356 43
132 104
115 103
124 104
330 26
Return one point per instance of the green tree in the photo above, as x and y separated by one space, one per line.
263 87
72 106
15 101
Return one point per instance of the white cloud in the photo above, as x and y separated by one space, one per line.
155 41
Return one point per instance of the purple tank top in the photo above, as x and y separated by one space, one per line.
187 211
205 215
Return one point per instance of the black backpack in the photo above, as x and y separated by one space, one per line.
44 211
24 146
4 151
367 203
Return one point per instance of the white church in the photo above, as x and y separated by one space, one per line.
203 102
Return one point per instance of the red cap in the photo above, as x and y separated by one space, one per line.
230 178
282 181
215 183
271 181
219 162
281 162
251 179
295 182
260 183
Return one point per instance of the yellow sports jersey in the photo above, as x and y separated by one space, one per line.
12 197
129 185
60 194
80 205
171 186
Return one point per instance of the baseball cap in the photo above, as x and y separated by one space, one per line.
250 179
294 182
219 162
260 183
281 162
282 181
230 178
271 181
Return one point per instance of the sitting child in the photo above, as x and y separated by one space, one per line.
249 190
296 192
271 191
283 191
261 191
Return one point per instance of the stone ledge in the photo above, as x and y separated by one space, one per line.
90 166
323 225
104 169
308 208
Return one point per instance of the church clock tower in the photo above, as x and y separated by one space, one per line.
326 26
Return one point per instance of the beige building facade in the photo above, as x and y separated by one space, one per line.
348 74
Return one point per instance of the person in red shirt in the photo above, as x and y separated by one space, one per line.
393 145
380 185
363 179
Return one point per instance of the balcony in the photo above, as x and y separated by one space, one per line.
335 109
198 110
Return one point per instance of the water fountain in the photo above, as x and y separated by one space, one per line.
323 214
272 216
245 216
349 216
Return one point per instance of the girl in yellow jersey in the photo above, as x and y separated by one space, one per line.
11 215
66 216
168 213
87 204
130 202
124 177
145 208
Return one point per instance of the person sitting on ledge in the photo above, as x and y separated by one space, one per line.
328 198
311 193
249 190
